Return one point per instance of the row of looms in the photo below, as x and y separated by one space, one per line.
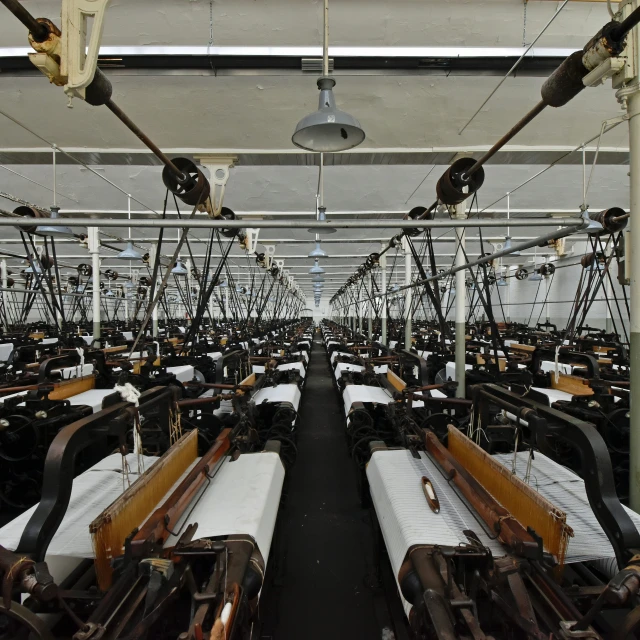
190 450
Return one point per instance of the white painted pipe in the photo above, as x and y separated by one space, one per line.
94 249
633 111
461 297
383 291
408 293
210 223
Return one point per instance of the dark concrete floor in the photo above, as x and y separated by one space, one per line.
325 545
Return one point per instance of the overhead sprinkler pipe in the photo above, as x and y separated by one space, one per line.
209 223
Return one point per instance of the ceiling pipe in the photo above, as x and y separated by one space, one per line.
301 224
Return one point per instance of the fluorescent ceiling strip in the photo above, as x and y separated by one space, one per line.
306 52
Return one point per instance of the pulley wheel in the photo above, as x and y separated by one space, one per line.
194 190
286 414
454 186
438 423
18 440
587 260
547 269
415 213
606 219
84 269
28 212
521 274
227 214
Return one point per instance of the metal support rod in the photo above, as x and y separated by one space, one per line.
627 24
325 43
94 249
408 295
37 30
512 133
461 297
131 125
209 223
633 111
515 65
383 290
40 32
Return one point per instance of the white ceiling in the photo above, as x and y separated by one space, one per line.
186 113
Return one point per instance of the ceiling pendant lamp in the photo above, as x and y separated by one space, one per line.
328 129
507 246
180 269
57 231
507 239
318 252
317 268
130 253
322 217
30 269
502 282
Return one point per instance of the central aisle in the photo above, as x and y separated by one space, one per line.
326 540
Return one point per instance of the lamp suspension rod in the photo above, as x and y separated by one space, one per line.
325 47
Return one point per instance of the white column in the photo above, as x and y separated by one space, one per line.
94 250
383 290
546 296
633 110
461 298
5 293
370 327
154 314
408 294
608 292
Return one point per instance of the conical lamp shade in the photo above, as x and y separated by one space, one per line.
318 252
37 269
179 269
322 217
508 245
328 129
130 253
316 269
57 231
